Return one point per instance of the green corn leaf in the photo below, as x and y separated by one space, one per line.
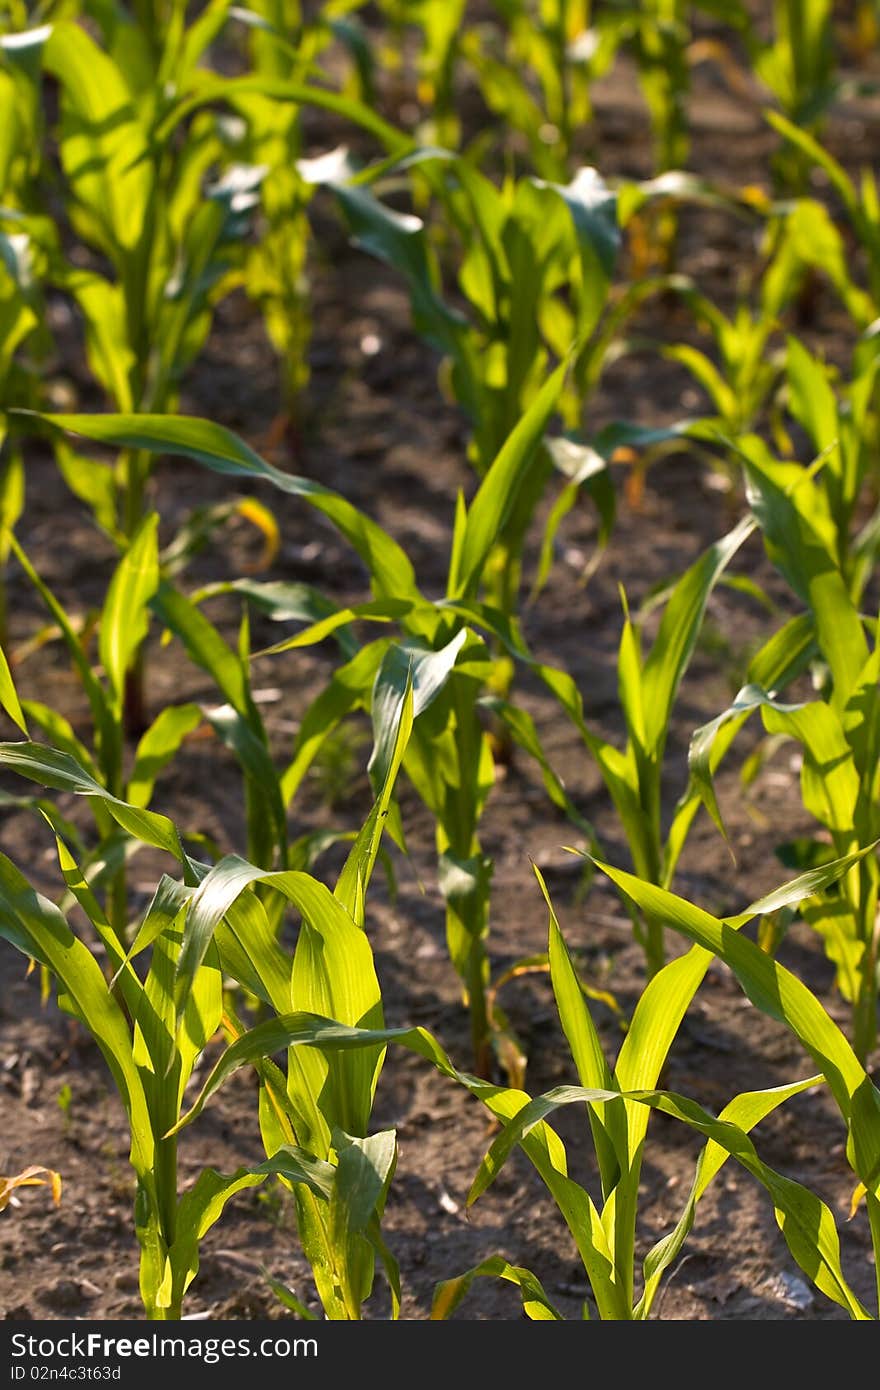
820 156
536 1305
125 620
221 451
393 726
606 1122
801 542
99 704
745 1111
333 969
9 695
251 954
704 752
104 146
266 815
203 644
158 747
405 663
498 491
401 241
811 398
91 481
778 993
830 782
349 688
806 1222
284 602
679 628
50 768
168 901
199 1209
798 889
378 611
35 926
780 660
593 208
521 726
298 93
363 1172
113 361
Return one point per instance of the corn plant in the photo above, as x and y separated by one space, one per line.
283 48
149 1048
536 70
122 625
536 275
164 228
208 925
452 767
619 1104
139 594
647 690
820 244
837 732
167 214
743 376
24 338
840 421
315 1121
799 66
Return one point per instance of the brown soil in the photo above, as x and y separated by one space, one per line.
380 431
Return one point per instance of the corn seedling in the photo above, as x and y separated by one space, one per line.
647 689
536 276
799 67
451 765
152 1032
283 48
535 73
619 1104
820 243
837 733
149 1047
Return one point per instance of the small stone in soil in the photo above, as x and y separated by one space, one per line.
62 1295
791 1290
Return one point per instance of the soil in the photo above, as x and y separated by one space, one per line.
379 429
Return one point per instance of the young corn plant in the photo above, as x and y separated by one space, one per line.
166 225
315 1121
535 71
536 275
800 68
167 210
620 1101
821 244
449 759
210 925
24 337
743 375
140 593
647 690
841 424
838 732
284 48
150 1050
122 626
